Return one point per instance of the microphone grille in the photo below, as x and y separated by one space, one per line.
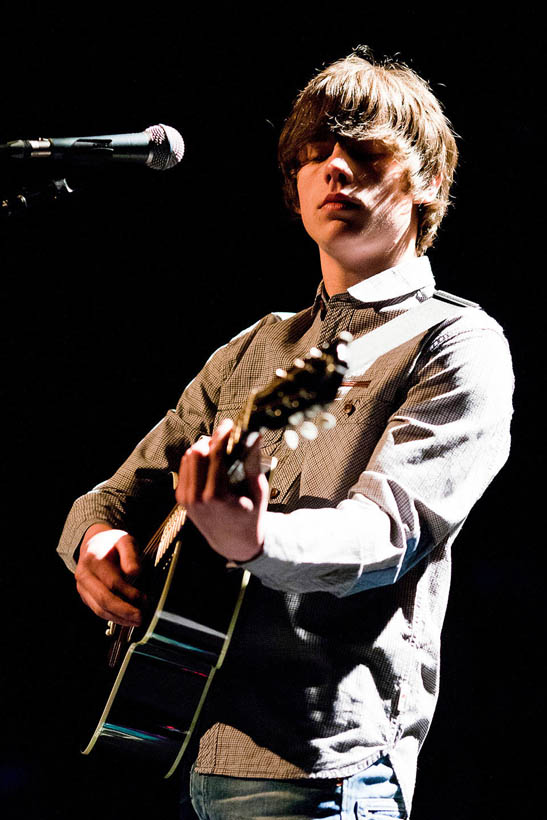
167 149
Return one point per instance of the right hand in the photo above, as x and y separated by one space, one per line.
107 566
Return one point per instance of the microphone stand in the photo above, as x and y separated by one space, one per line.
44 194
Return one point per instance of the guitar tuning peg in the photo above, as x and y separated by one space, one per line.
308 430
296 418
344 339
291 439
281 373
326 421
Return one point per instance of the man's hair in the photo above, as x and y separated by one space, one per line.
359 98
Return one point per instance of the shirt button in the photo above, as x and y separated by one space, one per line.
274 492
348 408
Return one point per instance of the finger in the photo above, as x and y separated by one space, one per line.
223 430
193 473
256 481
130 563
253 463
216 485
109 574
104 603
112 556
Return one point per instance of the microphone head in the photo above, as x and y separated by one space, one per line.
167 149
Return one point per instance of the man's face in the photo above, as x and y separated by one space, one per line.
355 202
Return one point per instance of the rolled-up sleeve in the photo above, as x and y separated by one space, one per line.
439 451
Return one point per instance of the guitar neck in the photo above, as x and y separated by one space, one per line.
164 537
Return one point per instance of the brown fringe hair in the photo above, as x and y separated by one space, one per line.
359 98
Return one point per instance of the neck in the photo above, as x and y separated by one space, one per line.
338 277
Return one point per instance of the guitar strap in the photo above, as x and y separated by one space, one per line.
364 351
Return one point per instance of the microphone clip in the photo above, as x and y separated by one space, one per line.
84 148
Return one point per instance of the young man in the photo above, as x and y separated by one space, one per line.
331 682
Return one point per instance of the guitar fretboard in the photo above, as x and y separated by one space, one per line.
169 531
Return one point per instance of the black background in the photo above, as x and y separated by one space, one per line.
113 298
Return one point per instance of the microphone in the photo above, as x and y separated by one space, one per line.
159 147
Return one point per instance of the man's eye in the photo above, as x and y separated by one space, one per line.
372 157
365 154
317 153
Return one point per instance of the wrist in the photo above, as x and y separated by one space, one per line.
100 538
244 558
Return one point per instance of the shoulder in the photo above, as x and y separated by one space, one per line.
262 334
468 347
463 318
267 321
271 326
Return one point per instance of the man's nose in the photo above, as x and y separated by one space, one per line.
338 168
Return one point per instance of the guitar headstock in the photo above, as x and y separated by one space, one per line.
296 395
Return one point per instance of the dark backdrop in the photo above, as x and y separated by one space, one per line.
163 267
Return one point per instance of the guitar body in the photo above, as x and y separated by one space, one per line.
163 671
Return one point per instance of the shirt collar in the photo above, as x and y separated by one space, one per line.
390 285
394 283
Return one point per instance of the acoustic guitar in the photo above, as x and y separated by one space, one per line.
161 672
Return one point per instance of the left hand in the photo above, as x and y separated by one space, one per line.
233 525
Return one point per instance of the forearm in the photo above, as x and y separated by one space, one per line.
329 550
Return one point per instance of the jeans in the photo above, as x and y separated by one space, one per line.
373 794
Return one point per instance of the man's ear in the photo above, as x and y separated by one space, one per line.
429 194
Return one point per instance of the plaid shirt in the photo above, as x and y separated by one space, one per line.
335 658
